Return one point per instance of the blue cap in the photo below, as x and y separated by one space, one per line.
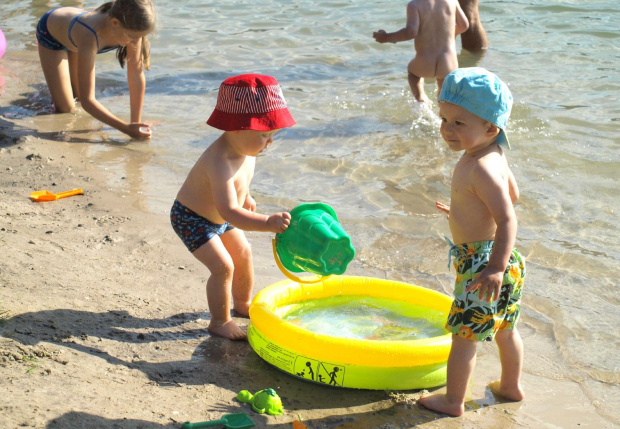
482 93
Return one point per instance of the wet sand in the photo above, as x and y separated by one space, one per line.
103 313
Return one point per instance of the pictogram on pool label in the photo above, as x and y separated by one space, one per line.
293 363
306 368
321 372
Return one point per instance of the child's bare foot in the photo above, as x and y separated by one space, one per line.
228 330
515 395
440 403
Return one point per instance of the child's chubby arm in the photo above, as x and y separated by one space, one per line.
493 189
408 32
86 83
243 217
462 23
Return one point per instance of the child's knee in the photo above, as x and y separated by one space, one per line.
244 252
223 269
506 336
246 249
463 346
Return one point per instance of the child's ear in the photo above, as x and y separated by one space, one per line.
492 130
115 22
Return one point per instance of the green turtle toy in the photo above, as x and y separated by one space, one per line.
264 401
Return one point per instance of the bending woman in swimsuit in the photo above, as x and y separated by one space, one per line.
70 38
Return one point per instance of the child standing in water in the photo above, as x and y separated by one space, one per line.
69 40
434 25
214 205
474 106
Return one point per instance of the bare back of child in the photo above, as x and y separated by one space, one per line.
434 25
435 43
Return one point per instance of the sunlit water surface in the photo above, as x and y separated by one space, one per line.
365 318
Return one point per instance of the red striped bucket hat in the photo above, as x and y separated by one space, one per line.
250 102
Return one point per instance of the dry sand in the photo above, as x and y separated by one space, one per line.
103 316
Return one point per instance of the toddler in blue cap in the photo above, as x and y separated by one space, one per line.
474 106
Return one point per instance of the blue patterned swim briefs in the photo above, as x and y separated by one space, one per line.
193 229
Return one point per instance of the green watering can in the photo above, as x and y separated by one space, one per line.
314 242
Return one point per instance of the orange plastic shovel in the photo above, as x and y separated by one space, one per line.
48 196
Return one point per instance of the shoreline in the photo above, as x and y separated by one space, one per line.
103 315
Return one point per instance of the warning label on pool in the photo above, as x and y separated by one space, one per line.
321 372
301 366
271 352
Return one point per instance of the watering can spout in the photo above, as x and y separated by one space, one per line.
314 242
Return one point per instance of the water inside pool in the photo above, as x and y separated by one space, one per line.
368 318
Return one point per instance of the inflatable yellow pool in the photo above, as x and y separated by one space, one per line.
348 362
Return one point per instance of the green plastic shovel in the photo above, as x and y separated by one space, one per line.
230 421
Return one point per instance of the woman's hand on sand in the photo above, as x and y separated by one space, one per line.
444 208
279 222
139 130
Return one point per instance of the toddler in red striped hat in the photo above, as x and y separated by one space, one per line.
214 206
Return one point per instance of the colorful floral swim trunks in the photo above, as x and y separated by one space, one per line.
478 319
193 229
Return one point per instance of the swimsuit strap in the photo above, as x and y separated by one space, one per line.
453 250
77 19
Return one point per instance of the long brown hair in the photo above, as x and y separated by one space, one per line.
134 15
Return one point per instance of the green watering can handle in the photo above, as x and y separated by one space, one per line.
310 279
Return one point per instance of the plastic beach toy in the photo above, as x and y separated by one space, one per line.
264 401
418 362
230 421
48 196
314 242
2 44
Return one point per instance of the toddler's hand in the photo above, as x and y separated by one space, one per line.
379 36
250 204
444 208
279 222
488 284
139 130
